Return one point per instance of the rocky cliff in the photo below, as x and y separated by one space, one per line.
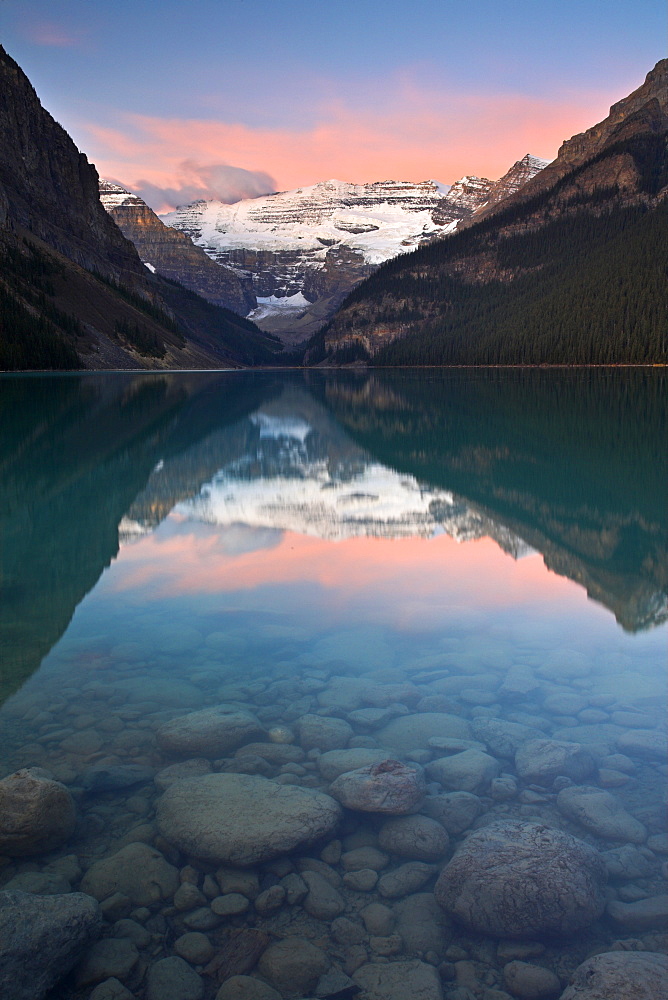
73 290
173 254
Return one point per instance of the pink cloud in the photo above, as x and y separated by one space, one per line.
49 34
414 135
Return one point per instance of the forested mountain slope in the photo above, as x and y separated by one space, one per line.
576 273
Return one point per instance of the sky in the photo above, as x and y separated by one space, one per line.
186 99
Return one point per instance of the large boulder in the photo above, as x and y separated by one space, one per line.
242 819
137 871
387 787
620 975
37 814
41 939
211 733
517 880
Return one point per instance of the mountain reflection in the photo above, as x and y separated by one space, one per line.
566 463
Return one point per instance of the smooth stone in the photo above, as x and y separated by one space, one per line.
648 744
137 871
501 737
243 819
644 915
658 843
270 900
109 958
422 924
626 863
519 880
363 880
173 979
566 703
378 919
335 762
345 931
274 753
601 813
335 985
246 988
210 733
469 771
543 760
398 980
620 975
293 966
323 901
40 883
101 778
41 940
531 982
388 787
193 768
111 989
417 837
405 879
229 905
413 732
372 718
202 919
133 931
236 880
194 947
188 897
455 811
364 857
37 814
323 733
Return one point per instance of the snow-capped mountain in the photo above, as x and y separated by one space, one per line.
307 248
290 482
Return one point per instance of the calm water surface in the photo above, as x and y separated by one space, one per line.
466 547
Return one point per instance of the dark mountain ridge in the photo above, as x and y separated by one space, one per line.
568 269
73 291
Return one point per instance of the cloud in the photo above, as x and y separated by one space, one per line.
410 133
208 182
52 35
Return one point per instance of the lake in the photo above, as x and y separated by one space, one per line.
292 640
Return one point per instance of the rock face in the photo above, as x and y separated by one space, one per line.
624 975
518 880
41 939
242 819
36 813
173 254
387 787
209 733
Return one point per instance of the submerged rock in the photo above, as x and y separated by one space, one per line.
515 880
210 733
243 819
469 771
41 939
417 837
137 871
37 814
622 975
293 966
543 760
600 812
412 732
399 980
386 787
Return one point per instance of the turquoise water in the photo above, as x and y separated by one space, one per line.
470 544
